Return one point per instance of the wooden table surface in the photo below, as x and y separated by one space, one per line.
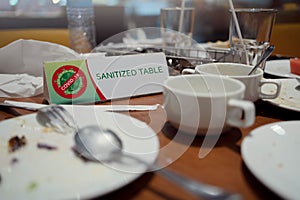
222 167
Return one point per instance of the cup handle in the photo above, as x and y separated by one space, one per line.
188 71
247 107
263 95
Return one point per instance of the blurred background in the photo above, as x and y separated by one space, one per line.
115 16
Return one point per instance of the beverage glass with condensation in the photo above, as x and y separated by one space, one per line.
255 27
174 33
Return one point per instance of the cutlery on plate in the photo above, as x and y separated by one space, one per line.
57 117
102 145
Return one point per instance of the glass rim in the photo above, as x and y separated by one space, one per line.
254 10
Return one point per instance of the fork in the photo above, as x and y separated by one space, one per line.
57 117
51 116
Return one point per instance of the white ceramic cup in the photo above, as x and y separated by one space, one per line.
205 104
253 82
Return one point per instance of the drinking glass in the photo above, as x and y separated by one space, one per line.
177 25
255 27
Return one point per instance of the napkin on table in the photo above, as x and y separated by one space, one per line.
20 85
21 68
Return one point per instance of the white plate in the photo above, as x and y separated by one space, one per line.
280 68
271 152
289 97
60 174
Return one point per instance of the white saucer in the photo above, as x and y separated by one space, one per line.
271 152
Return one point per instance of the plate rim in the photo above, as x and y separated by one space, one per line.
252 168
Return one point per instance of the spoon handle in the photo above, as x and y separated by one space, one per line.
267 53
197 188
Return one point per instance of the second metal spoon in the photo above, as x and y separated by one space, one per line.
264 57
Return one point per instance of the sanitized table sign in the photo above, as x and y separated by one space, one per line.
102 78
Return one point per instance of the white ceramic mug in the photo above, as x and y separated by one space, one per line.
253 82
205 104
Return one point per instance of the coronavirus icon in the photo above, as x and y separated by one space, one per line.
69 81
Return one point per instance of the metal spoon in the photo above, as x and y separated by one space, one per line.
100 145
264 57
298 86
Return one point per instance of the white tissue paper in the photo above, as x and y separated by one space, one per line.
20 85
21 68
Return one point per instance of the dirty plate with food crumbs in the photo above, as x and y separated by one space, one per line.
271 152
39 163
289 96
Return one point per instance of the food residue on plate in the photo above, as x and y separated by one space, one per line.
16 142
46 146
47 129
14 161
280 165
32 186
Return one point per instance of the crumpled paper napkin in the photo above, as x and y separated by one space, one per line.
21 68
20 85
